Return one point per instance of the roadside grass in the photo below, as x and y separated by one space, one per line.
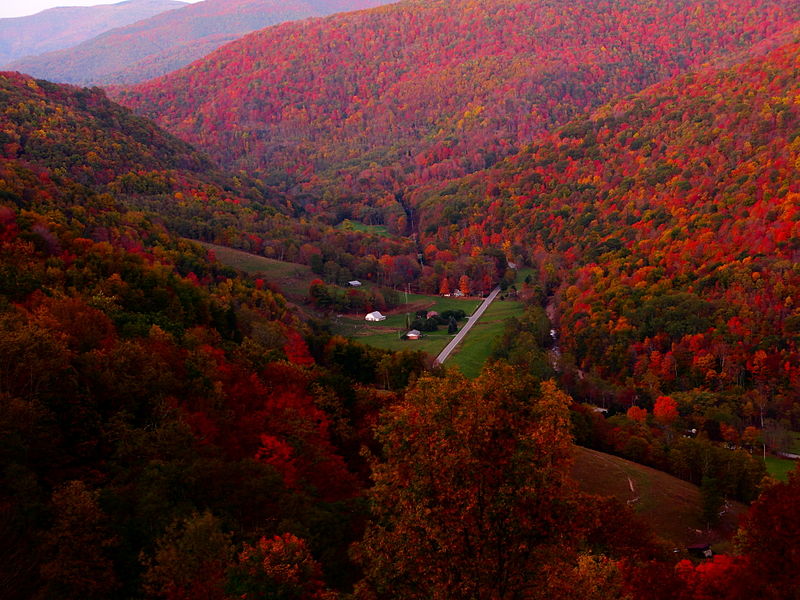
672 507
779 468
472 353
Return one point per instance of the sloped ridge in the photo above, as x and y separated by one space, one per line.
62 27
82 132
160 44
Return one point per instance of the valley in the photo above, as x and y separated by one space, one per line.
366 300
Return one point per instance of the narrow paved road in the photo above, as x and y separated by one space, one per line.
467 326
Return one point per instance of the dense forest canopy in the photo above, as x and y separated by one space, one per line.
670 219
350 112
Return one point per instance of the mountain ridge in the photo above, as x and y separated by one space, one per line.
62 27
162 43
665 224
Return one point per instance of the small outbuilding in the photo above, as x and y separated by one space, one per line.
700 550
375 316
414 334
354 283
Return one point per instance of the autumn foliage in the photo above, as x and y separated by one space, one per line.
143 48
352 111
172 428
665 224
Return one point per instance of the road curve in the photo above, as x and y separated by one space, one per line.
467 326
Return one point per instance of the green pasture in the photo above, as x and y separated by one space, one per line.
349 225
473 352
386 334
780 468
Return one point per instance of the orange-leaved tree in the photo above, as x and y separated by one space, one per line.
472 498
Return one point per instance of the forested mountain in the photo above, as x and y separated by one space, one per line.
362 106
80 132
149 395
82 135
667 225
152 47
172 429
62 27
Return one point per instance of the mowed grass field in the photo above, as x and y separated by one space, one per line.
671 506
472 353
293 279
780 468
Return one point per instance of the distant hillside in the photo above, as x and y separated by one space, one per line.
158 45
667 223
364 105
81 134
63 27
84 134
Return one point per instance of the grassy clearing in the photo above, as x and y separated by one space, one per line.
671 506
473 352
293 279
440 303
349 225
432 343
780 468
523 273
